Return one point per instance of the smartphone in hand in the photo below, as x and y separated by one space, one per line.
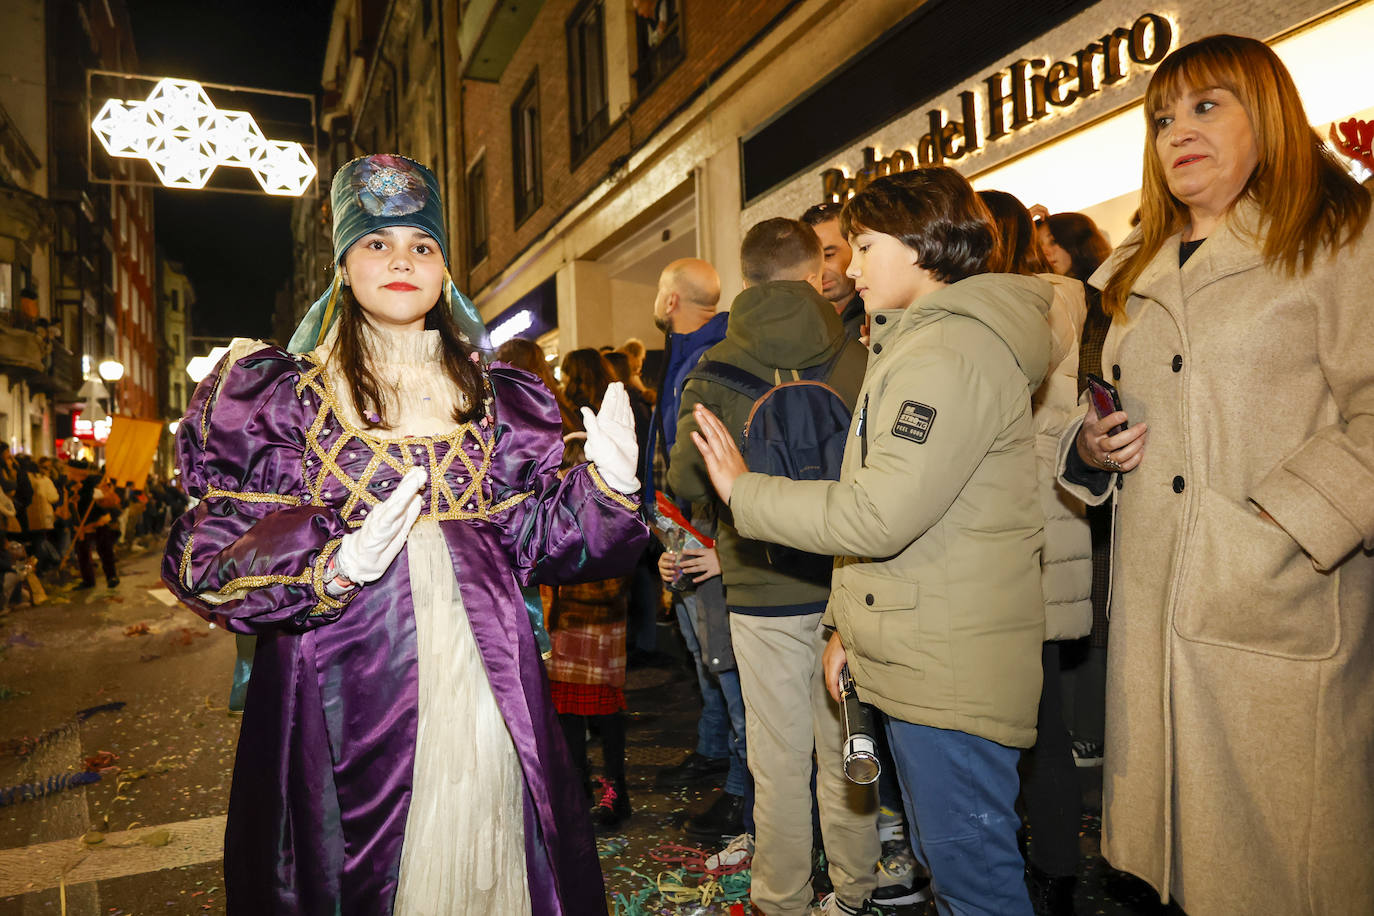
1105 399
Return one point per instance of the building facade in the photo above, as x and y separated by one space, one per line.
585 144
176 296
77 269
33 362
775 107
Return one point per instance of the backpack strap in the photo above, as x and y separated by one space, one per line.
732 377
822 371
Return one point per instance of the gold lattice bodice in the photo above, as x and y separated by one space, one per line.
347 468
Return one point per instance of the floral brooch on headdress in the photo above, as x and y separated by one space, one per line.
389 186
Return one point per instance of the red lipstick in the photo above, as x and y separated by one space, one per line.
1187 159
401 286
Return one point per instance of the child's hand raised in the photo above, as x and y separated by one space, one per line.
724 463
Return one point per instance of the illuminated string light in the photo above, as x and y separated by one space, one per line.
184 137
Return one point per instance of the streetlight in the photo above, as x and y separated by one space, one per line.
112 370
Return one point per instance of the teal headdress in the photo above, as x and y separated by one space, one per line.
372 193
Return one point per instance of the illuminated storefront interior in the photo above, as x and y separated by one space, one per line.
1096 169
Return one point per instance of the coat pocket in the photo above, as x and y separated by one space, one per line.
1248 585
877 616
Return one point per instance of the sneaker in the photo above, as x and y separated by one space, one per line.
831 905
613 807
1087 753
891 823
696 768
901 879
736 855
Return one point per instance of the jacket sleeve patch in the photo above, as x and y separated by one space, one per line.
914 421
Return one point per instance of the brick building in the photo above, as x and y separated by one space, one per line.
584 144
77 265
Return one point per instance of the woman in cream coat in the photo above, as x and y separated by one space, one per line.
1240 706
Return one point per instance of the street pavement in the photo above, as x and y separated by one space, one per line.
127 686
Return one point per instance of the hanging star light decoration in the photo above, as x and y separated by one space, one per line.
185 138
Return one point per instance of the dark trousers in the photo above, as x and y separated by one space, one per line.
1084 668
1049 780
646 590
611 728
103 540
960 796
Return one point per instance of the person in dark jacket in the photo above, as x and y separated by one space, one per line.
782 324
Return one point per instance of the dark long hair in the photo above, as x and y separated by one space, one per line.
585 377
1085 244
1019 252
365 389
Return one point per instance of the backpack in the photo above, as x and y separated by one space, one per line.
797 428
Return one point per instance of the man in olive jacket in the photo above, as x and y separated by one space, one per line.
780 323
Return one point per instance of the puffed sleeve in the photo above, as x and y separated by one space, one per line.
573 529
251 554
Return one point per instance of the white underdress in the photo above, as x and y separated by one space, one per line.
464 848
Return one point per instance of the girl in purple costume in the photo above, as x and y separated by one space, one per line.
370 505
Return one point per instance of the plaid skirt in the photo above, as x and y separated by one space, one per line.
586 699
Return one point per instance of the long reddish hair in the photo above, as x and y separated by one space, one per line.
1306 198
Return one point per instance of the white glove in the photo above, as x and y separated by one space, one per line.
611 443
365 554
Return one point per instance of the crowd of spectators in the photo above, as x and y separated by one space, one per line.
57 514
1234 560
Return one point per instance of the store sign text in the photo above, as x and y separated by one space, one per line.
1015 98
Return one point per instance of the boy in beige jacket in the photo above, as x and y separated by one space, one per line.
936 524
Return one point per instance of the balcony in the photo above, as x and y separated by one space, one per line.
20 352
489 31
51 368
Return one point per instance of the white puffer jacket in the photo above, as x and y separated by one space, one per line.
1066 568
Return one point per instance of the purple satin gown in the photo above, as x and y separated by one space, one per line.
322 780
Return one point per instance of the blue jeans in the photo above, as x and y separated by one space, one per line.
959 792
720 730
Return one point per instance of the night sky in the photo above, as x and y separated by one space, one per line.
235 248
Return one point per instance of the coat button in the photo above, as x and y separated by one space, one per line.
877 348
868 599
880 319
1178 363
1178 484
1116 373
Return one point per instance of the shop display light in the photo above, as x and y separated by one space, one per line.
1329 64
185 138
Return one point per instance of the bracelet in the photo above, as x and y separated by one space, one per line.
336 583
